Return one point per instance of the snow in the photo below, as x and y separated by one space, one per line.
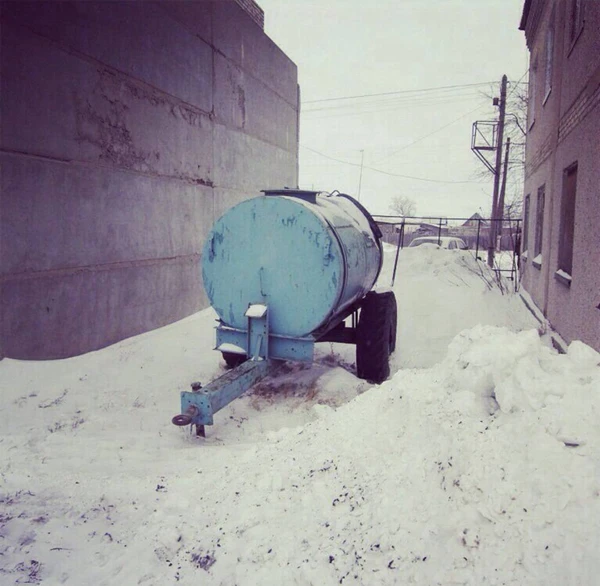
504 260
232 348
256 310
564 275
478 462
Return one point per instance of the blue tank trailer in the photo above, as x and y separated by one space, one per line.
284 271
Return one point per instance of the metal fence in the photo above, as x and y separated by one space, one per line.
476 233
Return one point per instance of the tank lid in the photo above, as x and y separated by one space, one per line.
307 195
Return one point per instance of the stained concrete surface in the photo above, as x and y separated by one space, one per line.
127 129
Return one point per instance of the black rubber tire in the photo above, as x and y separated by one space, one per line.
394 328
376 336
233 360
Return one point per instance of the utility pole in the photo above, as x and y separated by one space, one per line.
362 157
503 188
497 169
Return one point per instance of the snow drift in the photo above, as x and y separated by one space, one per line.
482 467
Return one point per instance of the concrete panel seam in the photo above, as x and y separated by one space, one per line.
183 178
89 59
109 68
189 30
255 137
260 81
18 153
65 272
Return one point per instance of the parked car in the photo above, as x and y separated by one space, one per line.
448 242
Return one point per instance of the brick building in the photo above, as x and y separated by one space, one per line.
561 212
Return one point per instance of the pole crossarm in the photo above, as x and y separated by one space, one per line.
484 138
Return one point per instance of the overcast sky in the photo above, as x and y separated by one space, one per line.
346 48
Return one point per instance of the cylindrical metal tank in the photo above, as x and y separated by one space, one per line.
306 256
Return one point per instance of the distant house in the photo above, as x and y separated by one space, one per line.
561 211
473 222
428 229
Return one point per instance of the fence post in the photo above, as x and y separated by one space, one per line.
400 243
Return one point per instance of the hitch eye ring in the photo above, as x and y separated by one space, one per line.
185 418
182 420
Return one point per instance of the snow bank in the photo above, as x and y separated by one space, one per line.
481 467
421 480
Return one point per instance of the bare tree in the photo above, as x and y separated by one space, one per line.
513 209
403 206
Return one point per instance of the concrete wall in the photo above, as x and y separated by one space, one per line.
127 128
566 130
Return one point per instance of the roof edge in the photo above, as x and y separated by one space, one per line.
525 15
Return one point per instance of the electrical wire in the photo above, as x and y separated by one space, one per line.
381 171
516 84
429 134
411 97
387 108
399 92
395 101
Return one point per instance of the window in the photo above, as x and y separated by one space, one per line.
567 220
532 93
576 20
549 58
539 224
526 222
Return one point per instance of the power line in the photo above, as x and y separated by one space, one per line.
396 100
380 171
375 108
431 133
446 87
516 83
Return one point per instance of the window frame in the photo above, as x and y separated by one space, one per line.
575 22
532 93
538 243
549 64
526 218
566 238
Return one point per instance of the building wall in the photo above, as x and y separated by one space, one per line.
254 10
565 131
127 128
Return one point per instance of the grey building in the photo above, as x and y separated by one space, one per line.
127 128
561 236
